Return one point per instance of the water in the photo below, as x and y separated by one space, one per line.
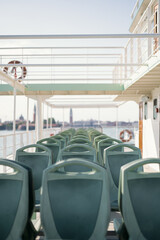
21 138
111 131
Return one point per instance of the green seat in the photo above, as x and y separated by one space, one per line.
80 141
53 144
78 151
99 138
94 134
61 139
14 201
80 136
113 161
66 136
139 195
75 206
105 143
37 161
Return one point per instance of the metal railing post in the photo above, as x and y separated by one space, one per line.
131 55
4 146
125 60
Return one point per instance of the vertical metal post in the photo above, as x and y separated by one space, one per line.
47 117
51 118
139 55
14 125
121 61
131 55
43 121
27 123
98 116
39 121
4 147
116 122
125 60
149 31
63 117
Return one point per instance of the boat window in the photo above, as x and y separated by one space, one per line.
155 106
145 110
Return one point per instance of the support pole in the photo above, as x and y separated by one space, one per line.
117 122
98 116
47 117
14 125
63 117
27 123
39 122
51 119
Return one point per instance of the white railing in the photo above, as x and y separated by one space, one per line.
139 50
10 142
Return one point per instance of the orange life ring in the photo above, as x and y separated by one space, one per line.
24 69
122 135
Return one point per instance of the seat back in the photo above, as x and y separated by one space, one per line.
139 195
113 161
80 136
75 206
80 141
78 151
61 139
37 161
66 136
105 143
98 139
14 201
53 144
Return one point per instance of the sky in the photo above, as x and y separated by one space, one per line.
65 17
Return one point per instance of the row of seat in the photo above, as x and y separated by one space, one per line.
78 190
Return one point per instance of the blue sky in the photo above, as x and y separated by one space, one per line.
66 17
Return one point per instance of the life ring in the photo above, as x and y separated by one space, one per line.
24 70
123 134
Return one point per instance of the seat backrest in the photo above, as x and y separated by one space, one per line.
14 201
66 136
113 161
104 143
75 206
61 139
80 136
37 161
53 144
78 151
139 195
80 141
98 139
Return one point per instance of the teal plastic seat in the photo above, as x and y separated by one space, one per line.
98 139
53 144
66 136
37 161
75 206
78 151
113 161
139 195
80 136
80 141
94 134
61 139
105 143
14 201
